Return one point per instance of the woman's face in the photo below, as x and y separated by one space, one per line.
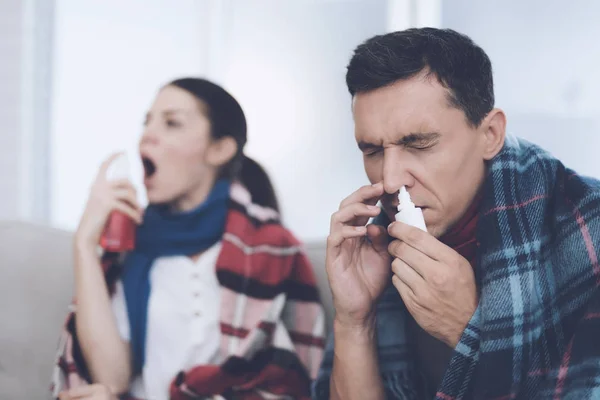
175 150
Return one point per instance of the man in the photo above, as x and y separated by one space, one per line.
499 299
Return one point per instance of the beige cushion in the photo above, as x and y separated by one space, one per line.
35 290
316 253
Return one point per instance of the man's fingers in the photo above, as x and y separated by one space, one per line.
336 238
367 194
420 240
354 214
420 262
408 296
407 275
378 237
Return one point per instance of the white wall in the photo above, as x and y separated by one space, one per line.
10 97
287 67
111 56
25 54
284 61
545 59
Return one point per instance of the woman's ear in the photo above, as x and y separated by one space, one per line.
494 126
221 151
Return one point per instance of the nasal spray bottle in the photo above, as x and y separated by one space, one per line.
407 212
119 232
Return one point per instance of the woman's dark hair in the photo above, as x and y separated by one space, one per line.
227 119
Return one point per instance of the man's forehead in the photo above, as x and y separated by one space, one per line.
404 94
415 106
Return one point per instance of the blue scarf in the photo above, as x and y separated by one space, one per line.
163 234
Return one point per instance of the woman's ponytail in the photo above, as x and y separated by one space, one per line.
256 180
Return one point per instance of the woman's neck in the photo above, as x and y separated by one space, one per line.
193 198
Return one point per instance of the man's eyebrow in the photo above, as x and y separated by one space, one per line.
413 138
408 140
364 146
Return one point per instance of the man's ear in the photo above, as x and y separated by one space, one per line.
494 129
221 151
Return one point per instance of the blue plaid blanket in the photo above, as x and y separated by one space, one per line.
536 331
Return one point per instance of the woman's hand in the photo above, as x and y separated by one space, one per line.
88 392
105 197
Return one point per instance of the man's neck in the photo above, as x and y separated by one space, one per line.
462 236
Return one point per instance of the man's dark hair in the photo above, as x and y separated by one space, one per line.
453 58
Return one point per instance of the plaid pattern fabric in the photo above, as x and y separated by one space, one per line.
535 332
272 323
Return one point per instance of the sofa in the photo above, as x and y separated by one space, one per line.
36 287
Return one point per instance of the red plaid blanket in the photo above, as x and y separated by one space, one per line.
272 323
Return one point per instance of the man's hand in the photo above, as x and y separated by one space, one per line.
435 282
358 263
88 392
358 268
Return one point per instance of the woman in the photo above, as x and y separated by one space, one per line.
216 299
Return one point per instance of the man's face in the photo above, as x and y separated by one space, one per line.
410 135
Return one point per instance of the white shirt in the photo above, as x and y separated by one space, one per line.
183 320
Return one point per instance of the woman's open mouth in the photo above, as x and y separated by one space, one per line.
149 167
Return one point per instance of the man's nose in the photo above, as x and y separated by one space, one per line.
396 173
